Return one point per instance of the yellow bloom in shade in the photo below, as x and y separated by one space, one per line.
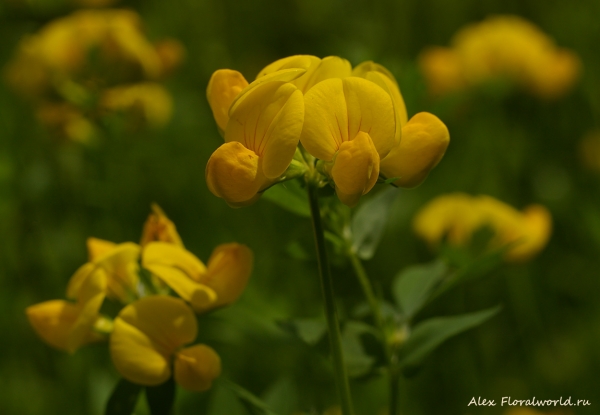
501 46
458 216
424 141
68 326
118 263
151 102
196 367
205 288
158 227
261 137
338 111
149 333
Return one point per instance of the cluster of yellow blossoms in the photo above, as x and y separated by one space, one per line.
501 47
78 68
147 336
353 120
457 216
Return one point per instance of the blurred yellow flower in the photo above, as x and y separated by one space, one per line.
150 333
158 227
457 216
204 287
148 101
117 263
501 46
66 325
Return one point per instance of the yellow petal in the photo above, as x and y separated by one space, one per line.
53 322
121 267
442 69
337 109
97 247
356 169
196 367
180 270
145 336
146 100
223 87
328 67
229 268
536 228
235 174
385 79
296 61
282 76
159 227
424 142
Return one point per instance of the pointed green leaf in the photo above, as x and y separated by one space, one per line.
358 362
161 398
252 403
428 335
309 330
289 195
414 285
369 221
123 399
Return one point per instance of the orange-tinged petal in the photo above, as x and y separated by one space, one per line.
196 367
145 336
158 227
356 169
180 270
229 268
424 141
235 174
223 87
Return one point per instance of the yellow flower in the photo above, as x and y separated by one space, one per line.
424 141
149 333
457 216
151 102
158 227
68 326
350 124
117 263
261 130
501 47
204 287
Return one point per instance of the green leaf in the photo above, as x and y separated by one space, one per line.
309 330
289 195
252 403
369 221
358 363
123 399
413 286
428 335
161 398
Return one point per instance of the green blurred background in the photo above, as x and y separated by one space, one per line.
53 195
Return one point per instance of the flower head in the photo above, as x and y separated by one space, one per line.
149 333
457 216
158 227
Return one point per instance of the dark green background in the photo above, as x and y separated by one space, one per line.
53 195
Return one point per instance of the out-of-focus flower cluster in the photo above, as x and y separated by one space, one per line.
78 69
148 335
353 120
456 217
501 47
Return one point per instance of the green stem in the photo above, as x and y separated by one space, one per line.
394 374
335 339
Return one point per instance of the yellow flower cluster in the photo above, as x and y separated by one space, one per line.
147 336
501 46
80 67
457 216
353 120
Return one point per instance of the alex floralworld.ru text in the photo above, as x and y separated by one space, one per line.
506 400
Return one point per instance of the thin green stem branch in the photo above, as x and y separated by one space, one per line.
335 339
374 305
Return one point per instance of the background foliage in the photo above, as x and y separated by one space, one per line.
53 195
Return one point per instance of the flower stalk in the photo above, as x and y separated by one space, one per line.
339 367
